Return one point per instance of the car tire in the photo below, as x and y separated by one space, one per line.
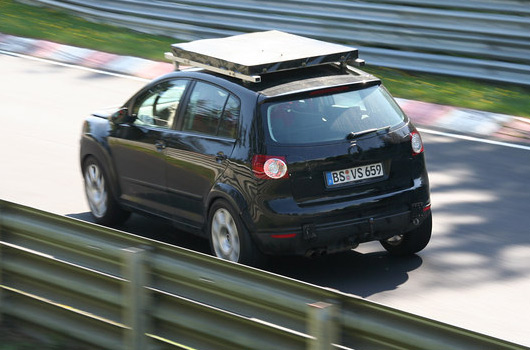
229 239
103 206
410 242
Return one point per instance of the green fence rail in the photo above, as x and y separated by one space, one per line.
114 290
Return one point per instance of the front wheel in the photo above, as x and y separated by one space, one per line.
104 208
410 242
229 239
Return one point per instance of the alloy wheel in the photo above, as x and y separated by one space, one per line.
225 236
95 190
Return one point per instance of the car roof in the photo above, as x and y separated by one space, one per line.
286 82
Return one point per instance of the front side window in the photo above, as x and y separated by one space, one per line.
158 106
331 117
212 111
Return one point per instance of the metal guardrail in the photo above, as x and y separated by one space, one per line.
114 290
485 39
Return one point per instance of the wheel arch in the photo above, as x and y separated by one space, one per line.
234 197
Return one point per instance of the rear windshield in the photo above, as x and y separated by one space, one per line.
331 117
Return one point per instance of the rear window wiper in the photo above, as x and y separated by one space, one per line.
353 135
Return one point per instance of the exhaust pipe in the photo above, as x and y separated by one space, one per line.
315 253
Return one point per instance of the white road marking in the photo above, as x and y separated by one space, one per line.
474 139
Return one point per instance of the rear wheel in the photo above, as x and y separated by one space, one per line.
410 242
104 208
229 239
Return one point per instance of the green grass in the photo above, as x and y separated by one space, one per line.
462 92
49 24
34 22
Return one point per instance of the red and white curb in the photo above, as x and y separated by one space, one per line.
468 121
85 57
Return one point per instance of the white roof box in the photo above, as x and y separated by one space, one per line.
248 56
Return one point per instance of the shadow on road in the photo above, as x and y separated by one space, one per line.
480 197
352 272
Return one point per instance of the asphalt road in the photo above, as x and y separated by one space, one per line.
475 273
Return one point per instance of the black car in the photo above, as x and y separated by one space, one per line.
290 150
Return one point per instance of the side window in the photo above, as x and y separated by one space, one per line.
230 119
158 106
212 111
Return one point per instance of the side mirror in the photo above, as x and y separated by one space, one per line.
121 116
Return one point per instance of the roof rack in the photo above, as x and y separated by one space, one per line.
249 56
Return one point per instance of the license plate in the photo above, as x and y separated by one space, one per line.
359 173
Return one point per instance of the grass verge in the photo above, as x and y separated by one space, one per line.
494 97
43 23
49 24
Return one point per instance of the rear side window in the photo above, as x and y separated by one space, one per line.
323 118
211 111
230 118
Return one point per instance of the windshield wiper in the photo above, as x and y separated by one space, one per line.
353 135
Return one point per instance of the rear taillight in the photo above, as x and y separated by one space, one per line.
416 143
269 167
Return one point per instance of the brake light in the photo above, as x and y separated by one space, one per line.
416 143
329 90
269 167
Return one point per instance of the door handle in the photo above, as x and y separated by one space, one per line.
160 145
220 156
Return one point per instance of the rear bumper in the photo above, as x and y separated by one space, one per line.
289 229
336 236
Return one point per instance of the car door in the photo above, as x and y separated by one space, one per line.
198 150
139 147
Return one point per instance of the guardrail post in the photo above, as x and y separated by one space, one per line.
135 299
322 325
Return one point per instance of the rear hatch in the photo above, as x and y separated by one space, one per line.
367 167
341 144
